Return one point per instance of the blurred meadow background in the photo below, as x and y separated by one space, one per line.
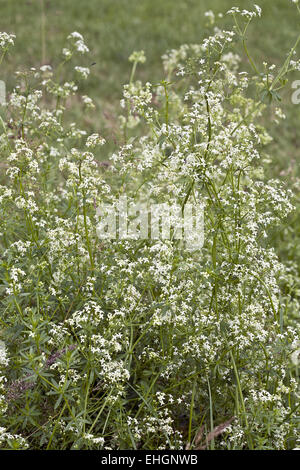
114 28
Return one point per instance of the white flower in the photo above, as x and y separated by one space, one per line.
88 101
258 9
138 57
94 140
46 68
6 40
75 35
81 47
76 39
83 72
66 53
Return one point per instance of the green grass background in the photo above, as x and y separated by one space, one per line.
114 28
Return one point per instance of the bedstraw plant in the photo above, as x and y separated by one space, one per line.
144 344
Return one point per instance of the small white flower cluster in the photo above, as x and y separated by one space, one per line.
246 13
46 68
6 40
88 102
93 440
139 97
16 276
77 41
295 65
94 140
14 441
83 72
137 57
